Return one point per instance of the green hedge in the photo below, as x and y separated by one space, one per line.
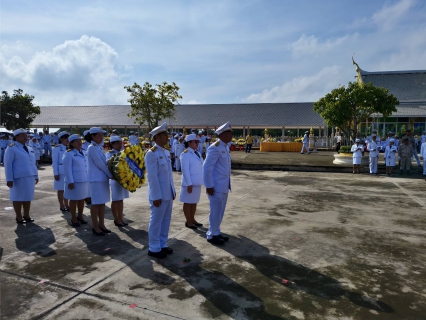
345 149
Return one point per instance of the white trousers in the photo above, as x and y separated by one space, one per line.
305 146
373 164
217 210
177 164
159 224
416 156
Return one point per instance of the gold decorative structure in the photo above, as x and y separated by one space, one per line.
358 71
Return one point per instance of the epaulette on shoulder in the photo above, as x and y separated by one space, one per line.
153 148
185 151
68 150
111 151
12 144
217 143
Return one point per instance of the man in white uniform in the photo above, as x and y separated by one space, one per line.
423 156
305 142
179 147
217 179
161 193
373 148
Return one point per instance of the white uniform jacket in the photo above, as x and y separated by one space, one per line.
98 169
192 168
371 146
305 139
57 154
85 146
75 166
133 139
159 173
217 167
36 147
18 163
390 152
357 153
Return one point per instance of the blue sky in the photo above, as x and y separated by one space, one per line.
84 52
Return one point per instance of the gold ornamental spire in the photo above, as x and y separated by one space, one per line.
358 71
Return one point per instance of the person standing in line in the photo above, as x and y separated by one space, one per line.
249 143
373 149
161 193
55 139
99 176
217 179
46 140
423 156
202 140
3 146
192 180
179 147
86 143
76 179
21 175
36 147
390 157
118 193
356 150
305 142
58 170
423 138
206 145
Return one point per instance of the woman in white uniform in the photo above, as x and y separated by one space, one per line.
118 193
390 156
76 179
357 155
58 169
192 180
99 176
36 147
21 175
85 147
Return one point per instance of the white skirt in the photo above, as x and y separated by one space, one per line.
390 162
23 189
59 185
117 191
80 191
357 160
193 197
99 192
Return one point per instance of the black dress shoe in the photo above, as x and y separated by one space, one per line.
105 230
198 224
224 238
97 233
75 224
216 240
125 223
159 254
190 227
167 250
82 221
29 219
119 224
21 221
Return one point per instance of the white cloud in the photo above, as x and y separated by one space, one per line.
83 71
389 16
194 102
303 88
309 45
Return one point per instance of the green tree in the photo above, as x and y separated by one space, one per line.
347 107
151 104
17 111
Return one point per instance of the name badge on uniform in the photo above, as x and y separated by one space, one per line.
161 157
223 151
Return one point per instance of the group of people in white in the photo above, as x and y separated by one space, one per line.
393 150
81 173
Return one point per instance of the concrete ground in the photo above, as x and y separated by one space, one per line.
302 246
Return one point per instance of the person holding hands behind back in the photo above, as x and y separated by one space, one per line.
192 180
76 179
